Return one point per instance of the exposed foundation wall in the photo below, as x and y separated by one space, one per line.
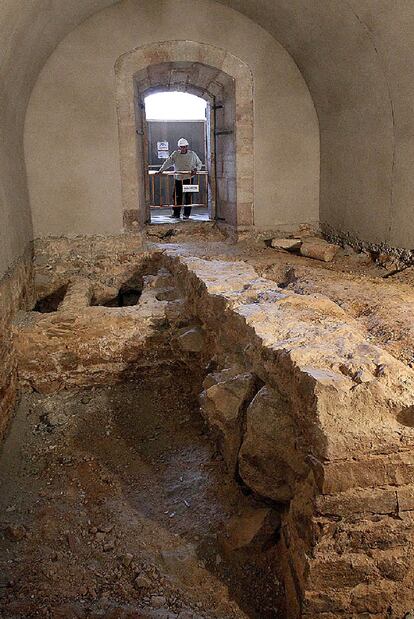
86 344
305 410
71 132
16 293
398 255
306 422
79 340
108 261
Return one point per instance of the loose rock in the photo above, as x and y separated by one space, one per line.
127 559
222 406
286 244
319 250
16 532
110 545
142 582
242 529
191 340
158 601
269 462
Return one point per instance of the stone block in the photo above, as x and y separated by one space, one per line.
326 603
221 376
244 213
191 340
382 470
380 532
335 572
286 244
244 528
406 498
319 249
392 563
269 462
367 599
222 405
373 599
366 501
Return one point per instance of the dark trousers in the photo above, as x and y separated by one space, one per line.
179 195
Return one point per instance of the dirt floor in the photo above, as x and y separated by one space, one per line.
115 504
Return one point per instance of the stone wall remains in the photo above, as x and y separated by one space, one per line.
395 258
306 412
15 293
313 417
106 261
84 345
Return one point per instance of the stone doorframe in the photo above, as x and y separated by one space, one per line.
127 67
179 76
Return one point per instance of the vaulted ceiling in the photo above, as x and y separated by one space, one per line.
323 36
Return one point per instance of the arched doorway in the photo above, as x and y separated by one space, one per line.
218 90
169 116
226 83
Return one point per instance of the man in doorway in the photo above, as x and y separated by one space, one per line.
186 163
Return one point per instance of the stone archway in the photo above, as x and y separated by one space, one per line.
218 90
209 70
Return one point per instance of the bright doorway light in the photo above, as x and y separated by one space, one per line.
175 106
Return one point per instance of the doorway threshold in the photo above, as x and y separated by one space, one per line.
163 216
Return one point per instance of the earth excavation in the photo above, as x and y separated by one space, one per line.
210 430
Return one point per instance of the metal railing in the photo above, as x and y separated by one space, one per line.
162 188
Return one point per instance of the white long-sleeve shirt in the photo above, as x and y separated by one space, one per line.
182 163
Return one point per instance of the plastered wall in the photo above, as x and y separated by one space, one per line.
29 30
357 57
15 217
71 140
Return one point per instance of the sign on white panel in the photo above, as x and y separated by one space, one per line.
162 145
163 154
191 188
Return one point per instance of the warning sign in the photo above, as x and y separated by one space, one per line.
191 188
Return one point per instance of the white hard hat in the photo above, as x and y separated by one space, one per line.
183 142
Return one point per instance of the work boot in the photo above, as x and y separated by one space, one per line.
176 212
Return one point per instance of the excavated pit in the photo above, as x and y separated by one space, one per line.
117 499
127 295
51 302
295 432
125 298
406 416
116 503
